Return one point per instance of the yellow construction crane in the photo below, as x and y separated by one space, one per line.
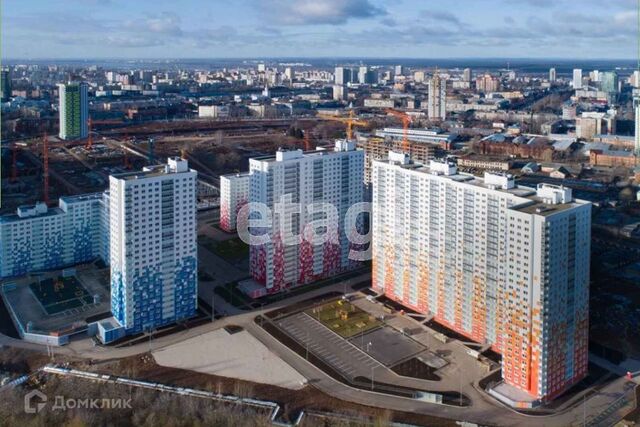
406 121
350 121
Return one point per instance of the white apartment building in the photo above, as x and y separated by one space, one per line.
153 246
577 78
234 194
40 238
500 264
322 176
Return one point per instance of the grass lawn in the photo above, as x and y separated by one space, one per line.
230 250
344 318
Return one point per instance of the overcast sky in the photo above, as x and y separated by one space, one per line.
586 29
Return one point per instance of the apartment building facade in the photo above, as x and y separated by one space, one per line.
500 264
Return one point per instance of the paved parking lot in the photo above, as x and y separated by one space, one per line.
387 345
328 346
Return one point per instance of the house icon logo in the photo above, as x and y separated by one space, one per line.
34 402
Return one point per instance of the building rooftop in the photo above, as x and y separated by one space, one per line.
545 200
341 145
174 165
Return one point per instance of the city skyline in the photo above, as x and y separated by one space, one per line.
323 28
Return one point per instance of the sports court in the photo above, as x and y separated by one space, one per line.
60 294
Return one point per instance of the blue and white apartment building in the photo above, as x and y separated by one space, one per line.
38 238
144 227
153 246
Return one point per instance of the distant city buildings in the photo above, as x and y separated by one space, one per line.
437 101
419 77
487 83
333 177
502 265
73 110
153 247
552 75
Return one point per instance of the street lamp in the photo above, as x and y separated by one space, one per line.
373 368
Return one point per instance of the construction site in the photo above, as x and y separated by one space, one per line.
45 168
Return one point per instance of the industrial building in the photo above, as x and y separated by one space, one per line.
503 265
234 194
310 178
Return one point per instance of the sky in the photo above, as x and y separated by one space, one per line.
76 29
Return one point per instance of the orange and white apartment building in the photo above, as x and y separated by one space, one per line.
501 264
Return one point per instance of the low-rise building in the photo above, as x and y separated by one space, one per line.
39 238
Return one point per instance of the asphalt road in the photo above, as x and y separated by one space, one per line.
484 410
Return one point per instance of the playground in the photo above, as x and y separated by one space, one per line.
60 294
344 318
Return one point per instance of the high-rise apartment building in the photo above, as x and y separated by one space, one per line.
467 75
234 194
437 101
73 110
634 79
340 92
577 78
334 177
342 76
153 247
553 76
5 85
500 264
609 82
636 106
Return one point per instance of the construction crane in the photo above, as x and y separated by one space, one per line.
406 121
89 145
350 121
45 167
307 141
125 152
152 155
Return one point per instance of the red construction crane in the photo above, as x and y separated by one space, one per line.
125 153
14 162
45 167
406 121
89 144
